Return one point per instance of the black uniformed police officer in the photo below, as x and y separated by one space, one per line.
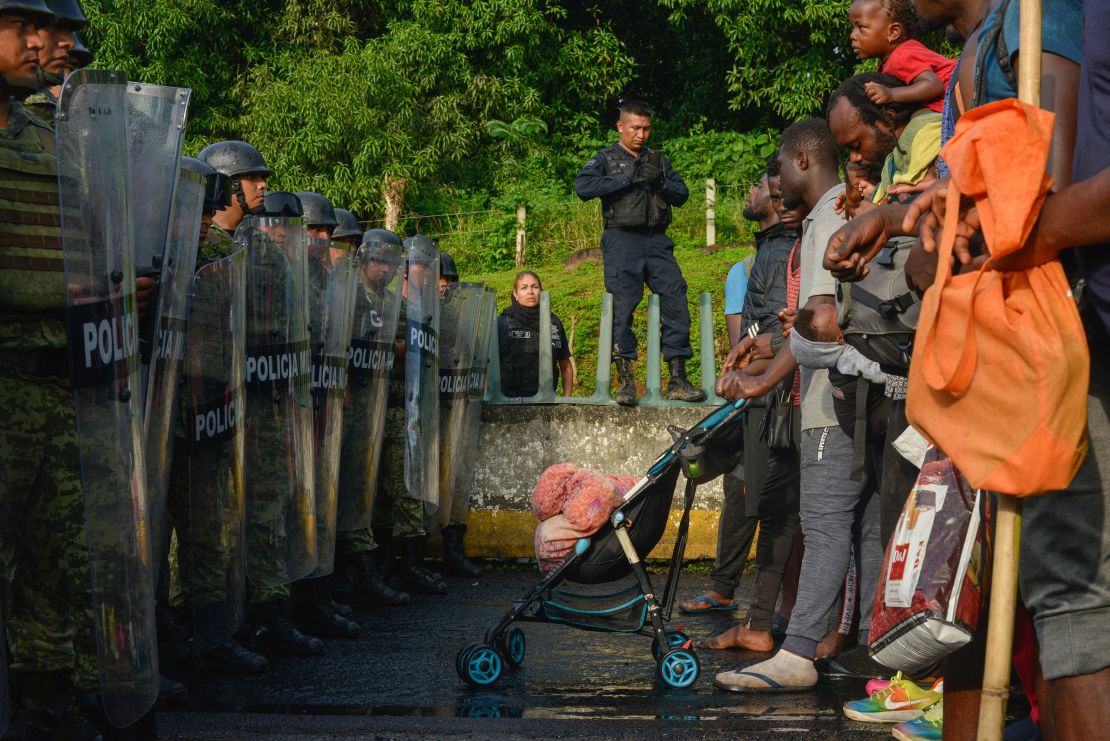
637 187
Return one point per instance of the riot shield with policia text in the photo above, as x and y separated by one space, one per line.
102 323
487 328
381 267
168 352
332 283
459 313
281 520
422 370
214 559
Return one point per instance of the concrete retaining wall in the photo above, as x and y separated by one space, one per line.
518 442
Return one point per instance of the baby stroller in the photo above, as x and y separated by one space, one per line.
704 452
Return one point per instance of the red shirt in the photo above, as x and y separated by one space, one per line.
910 58
793 289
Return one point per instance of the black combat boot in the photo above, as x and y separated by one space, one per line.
272 632
626 394
47 709
455 561
231 658
368 586
315 615
679 387
412 576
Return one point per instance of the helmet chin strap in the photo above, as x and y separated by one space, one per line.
241 199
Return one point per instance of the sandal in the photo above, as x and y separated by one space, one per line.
714 605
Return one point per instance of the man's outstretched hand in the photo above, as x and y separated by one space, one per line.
747 350
926 216
739 385
856 243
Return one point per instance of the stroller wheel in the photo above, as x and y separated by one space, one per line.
460 660
482 665
678 668
675 638
512 646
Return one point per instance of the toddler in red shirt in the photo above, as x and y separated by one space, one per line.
884 29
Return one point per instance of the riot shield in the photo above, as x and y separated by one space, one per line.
5 707
168 353
459 313
377 307
332 282
102 319
487 329
215 430
281 519
422 371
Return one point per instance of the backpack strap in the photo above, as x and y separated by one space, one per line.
888 308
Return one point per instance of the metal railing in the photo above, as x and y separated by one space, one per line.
601 396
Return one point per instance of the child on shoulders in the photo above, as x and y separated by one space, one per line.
884 29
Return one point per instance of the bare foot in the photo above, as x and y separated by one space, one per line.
740 636
697 604
834 644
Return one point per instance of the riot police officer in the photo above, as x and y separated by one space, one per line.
448 272
248 172
347 230
638 187
59 38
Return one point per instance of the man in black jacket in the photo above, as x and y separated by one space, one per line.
637 187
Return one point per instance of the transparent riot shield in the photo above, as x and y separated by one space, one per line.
281 509
377 307
155 131
168 352
102 323
459 314
487 329
422 372
5 692
213 553
332 282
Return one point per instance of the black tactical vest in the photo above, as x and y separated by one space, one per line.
635 206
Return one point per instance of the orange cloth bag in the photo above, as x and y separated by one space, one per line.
1000 368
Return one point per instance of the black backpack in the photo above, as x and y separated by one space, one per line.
878 315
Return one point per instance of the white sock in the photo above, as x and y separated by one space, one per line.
785 668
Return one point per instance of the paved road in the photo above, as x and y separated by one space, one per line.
398 681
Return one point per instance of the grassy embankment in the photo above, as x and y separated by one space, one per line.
553 234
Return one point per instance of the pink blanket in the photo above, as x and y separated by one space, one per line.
572 503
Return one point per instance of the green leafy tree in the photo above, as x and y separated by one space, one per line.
788 55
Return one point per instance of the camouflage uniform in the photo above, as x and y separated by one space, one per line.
43 552
200 568
358 480
267 536
395 511
42 105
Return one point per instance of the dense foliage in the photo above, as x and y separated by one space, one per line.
458 111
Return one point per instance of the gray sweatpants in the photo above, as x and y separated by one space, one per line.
835 513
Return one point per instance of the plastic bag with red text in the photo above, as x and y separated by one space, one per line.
927 602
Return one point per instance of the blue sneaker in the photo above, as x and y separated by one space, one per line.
929 727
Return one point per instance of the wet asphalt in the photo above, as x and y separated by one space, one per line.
398 680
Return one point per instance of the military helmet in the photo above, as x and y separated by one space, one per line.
318 210
235 158
421 249
217 186
282 203
447 267
348 225
80 54
382 235
38 7
68 13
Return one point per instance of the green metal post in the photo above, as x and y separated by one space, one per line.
708 351
654 371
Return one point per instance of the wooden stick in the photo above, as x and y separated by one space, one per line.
1007 533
